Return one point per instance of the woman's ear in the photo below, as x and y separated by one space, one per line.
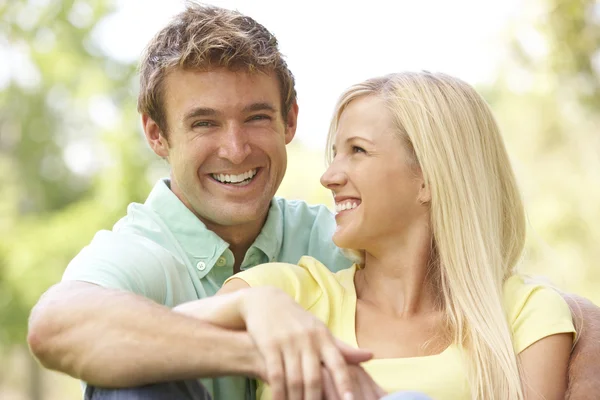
424 196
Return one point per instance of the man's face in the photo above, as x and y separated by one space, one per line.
225 143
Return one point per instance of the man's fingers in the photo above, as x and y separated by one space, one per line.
379 390
351 354
311 371
329 389
339 370
364 384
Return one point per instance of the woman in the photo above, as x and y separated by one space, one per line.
428 206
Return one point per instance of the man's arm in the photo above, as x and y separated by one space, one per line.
584 367
113 338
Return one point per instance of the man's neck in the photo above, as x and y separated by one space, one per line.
240 237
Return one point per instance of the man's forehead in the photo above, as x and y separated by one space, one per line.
220 78
220 90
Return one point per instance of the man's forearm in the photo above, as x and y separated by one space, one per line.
584 367
117 339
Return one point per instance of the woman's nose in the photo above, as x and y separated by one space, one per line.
333 176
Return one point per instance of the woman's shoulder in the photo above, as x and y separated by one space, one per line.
323 275
534 310
521 291
305 281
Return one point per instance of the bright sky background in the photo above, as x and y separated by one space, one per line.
331 44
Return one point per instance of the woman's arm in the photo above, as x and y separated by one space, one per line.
224 309
292 342
545 367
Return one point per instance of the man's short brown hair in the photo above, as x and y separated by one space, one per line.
204 37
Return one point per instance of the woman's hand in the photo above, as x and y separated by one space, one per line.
294 345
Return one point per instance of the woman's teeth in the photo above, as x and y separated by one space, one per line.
345 205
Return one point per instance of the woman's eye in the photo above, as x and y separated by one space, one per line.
358 149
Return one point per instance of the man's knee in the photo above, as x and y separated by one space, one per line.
182 390
407 396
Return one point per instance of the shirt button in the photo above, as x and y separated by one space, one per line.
201 266
221 262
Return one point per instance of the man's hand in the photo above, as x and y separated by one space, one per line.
363 387
294 345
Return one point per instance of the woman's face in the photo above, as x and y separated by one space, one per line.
377 187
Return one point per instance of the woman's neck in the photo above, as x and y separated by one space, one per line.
398 277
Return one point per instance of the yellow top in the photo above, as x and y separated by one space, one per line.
533 311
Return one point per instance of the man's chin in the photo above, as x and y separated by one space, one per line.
243 214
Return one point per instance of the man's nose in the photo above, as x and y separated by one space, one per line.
234 145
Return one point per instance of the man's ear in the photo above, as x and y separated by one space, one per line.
155 137
291 123
424 196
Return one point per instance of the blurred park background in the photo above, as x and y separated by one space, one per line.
72 154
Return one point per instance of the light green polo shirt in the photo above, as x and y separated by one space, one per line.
162 251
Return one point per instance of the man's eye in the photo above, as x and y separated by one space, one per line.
358 149
202 124
259 117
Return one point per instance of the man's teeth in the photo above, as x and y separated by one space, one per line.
346 205
226 178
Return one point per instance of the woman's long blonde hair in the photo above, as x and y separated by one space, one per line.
477 214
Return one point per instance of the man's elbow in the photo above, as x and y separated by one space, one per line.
41 333
50 325
36 341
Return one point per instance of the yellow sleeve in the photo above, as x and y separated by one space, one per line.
296 280
535 311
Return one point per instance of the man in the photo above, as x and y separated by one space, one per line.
218 103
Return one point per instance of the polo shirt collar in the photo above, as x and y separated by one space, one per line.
196 239
269 239
191 233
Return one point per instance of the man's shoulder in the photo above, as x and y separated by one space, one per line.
308 230
301 211
145 224
127 258
140 236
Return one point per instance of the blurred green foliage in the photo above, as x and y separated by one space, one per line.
49 210
547 100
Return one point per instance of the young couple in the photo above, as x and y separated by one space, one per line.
213 278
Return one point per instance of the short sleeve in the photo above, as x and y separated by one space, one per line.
535 311
120 261
296 280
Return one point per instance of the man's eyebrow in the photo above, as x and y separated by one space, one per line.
260 107
200 112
